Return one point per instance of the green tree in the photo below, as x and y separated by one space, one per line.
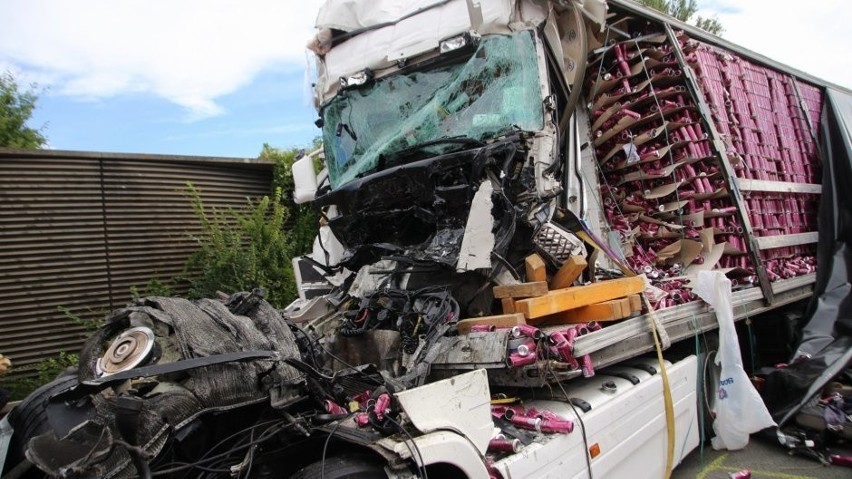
242 249
16 108
684 10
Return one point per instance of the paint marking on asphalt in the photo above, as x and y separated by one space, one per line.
719 465
713 466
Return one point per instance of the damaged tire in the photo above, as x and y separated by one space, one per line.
29 418
343 467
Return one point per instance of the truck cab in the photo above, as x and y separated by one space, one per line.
449 146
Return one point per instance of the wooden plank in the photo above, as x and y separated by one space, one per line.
508 305
780 241
779 186
635 303
522 290
500 321
536 269
577 296
569 272
611 310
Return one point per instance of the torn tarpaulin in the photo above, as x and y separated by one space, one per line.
825 350
831 309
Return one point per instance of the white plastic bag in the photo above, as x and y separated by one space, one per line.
739 409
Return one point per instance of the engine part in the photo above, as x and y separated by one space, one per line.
130 349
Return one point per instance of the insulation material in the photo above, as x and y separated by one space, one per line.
193 329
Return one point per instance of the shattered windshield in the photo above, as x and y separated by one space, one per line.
492 91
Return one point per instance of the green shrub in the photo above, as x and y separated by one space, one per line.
239 250
154 287
45 370
242 249
90 324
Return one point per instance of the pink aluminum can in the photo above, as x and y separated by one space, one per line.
515 360
525 422
744 474
557 426
382 405
504 445
527 330
332 407
588 366
362 419
483 328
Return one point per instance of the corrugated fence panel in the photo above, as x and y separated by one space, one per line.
79 229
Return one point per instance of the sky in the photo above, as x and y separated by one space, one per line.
223 77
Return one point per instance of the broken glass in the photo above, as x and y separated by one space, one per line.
493 91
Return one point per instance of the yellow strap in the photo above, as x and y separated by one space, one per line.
667 397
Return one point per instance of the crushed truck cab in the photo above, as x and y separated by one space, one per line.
517 197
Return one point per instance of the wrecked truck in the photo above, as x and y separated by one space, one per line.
516 197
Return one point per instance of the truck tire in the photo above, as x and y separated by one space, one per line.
29 418
708 380
343 467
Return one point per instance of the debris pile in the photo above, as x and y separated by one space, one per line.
541 320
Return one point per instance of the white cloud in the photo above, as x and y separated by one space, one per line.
192 52
189 52
813 37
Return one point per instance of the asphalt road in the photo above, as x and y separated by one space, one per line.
765 460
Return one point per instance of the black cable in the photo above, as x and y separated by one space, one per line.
250 459
236 447
204 459
585 439
582 426
506 265
242 431
460 433
137 458
325 447
307 368
212 469
309 340
321 346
